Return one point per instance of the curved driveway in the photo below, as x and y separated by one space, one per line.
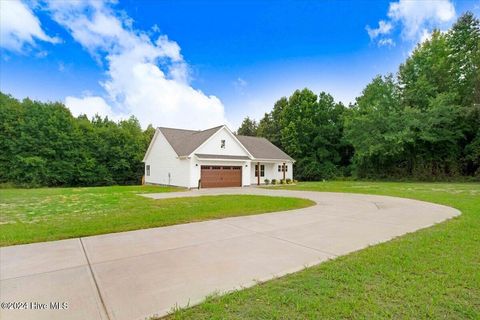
137 274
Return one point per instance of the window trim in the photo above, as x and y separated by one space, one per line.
262 170
147 169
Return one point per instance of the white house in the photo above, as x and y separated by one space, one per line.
213 158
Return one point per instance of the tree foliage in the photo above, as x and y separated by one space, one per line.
308 127
248 127
43 144
425 123
422 123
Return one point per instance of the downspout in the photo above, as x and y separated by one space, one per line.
284 169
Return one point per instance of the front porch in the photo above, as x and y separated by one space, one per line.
262 170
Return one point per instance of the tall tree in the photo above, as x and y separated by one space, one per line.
248 127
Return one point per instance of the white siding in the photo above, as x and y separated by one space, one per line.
213 145
271 172
165 167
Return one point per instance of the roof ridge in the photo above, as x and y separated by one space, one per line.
189 130
200 131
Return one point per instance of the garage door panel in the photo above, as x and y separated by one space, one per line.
221 176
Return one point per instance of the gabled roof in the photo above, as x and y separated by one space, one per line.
184 142
261 148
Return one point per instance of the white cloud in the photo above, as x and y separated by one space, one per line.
386 42
383 28
418 15
19 27
415 18
146 77
90 106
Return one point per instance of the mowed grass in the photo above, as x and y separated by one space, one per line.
34 215
433 273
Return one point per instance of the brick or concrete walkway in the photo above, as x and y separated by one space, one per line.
137 274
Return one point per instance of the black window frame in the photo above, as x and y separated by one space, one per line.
222 144
262 170
147 169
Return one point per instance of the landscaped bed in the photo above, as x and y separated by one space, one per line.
430 274
34 215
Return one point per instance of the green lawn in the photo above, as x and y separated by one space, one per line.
430 274
34 215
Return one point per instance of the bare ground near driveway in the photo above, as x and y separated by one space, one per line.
137 274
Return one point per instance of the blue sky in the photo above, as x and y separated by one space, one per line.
200 63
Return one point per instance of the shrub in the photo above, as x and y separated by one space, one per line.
282 181
295 181
274 181
266 181
288 181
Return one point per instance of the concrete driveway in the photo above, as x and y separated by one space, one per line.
137 274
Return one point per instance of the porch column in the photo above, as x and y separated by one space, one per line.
284 169
258 173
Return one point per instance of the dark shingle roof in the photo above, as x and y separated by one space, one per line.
184 142
261 148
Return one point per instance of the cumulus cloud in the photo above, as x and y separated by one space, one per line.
415 19
20 27
383 28
145 77
90 106
415 16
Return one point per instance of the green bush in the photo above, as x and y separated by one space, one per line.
288 181
282 181
274 181
266 181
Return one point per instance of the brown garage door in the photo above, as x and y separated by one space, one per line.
221 176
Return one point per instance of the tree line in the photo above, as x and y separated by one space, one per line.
42 144
421 123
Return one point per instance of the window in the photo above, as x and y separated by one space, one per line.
148 170
282 167
262 170
279 168
222 144
286 168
